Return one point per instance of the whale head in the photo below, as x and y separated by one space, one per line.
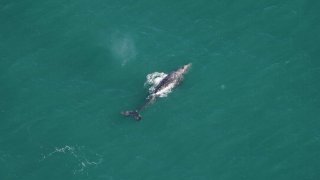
184 69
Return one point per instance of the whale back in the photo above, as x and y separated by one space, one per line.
165 81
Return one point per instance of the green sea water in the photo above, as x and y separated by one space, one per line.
249 109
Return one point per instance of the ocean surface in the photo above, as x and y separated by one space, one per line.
249 108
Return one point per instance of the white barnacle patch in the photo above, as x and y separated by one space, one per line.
166 90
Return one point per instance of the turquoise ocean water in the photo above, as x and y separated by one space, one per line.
249 108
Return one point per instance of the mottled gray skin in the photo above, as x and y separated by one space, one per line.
172 79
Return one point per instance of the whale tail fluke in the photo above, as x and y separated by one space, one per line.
135 114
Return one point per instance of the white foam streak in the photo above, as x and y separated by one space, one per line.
154 79
80 156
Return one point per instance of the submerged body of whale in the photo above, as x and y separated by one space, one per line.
160 88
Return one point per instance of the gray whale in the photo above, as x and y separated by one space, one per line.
172 80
